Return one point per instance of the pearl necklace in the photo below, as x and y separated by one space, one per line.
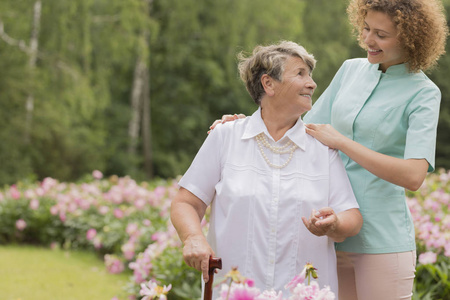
261 140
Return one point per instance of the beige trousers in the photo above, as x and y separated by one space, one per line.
387 276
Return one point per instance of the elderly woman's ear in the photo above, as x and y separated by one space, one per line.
267 83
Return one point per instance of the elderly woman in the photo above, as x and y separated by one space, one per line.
262 175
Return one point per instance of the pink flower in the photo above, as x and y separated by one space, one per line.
249 282
270 295
299 279
159 191
14 192
118 213
90 234
302 291
427 258
238 291
325 294
34 204
97 243
132 228
97 174
54 210
140 203
48 183
62 217
128 250
447 249
113 264
21 224
103 210
29 194
150 290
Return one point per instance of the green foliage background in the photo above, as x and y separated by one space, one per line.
83 77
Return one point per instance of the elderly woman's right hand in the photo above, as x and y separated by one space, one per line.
196 253
226 118
321 222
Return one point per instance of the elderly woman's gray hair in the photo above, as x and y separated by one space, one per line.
269 60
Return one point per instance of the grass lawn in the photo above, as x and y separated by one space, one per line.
34 273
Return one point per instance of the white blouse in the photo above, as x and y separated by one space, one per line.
256 209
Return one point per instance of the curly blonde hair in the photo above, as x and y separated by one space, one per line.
269 60
421 24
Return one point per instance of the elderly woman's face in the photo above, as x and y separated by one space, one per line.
297 86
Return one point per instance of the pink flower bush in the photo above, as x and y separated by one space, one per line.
130 220
133 227
430 208
143 266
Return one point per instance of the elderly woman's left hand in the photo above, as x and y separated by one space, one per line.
326 134
321 222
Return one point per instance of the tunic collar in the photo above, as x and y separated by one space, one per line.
401 69
255 126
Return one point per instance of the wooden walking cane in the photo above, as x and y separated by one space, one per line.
214 263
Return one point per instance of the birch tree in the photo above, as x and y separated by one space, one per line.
140 121
34 43
32 51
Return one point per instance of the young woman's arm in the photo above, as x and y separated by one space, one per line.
408 173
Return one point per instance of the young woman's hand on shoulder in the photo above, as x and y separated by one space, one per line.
226 118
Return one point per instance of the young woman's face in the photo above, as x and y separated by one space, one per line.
380 37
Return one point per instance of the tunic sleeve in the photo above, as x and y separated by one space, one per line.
423 115
204 172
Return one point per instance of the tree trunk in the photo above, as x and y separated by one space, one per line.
147 126
136 99
147 118
140 104
34 42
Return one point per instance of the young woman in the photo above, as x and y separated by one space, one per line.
381 113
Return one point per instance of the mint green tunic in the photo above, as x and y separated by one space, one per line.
394 113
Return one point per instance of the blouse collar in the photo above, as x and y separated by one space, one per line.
296 134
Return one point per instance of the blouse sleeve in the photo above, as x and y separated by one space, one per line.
423 116
341 196
204 172
321 110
